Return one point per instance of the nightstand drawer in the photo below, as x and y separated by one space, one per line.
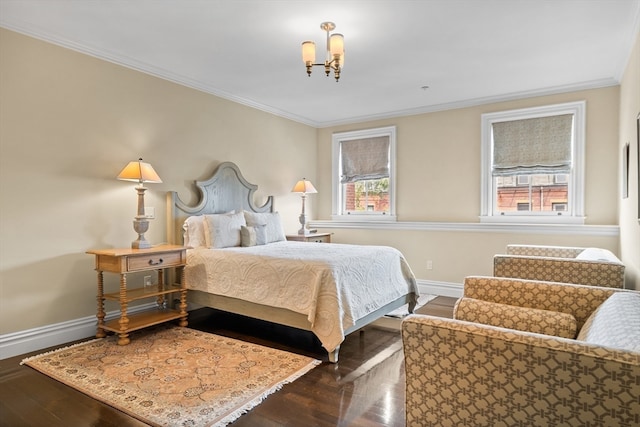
151 261
311 237
326 238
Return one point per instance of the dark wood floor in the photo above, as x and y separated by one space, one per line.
365 388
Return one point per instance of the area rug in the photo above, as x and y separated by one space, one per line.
172 376
404 310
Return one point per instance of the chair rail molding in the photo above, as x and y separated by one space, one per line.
475 227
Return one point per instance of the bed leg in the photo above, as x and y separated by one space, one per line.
333 355
412 306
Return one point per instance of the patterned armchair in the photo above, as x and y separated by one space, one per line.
585 266
460 372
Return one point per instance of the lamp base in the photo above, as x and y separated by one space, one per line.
140 244
140 226
307 231
303 222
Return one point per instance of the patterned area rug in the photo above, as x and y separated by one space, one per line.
175 376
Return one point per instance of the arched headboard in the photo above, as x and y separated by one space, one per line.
225 191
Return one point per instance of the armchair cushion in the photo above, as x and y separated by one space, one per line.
513 317
576 300
615 323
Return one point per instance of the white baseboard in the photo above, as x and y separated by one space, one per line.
444 289
22 342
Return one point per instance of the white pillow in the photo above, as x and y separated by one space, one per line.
271 220
223 230
194 232
615 323
597 254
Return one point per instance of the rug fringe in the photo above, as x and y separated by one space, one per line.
248 406
37 356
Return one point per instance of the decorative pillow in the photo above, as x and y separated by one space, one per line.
615 323
247 236
518 318
272 225
224 230
194 233
597 254
252 235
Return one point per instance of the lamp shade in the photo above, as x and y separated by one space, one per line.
304 186
336 44
139 171
308 52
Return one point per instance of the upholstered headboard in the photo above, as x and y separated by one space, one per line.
225 191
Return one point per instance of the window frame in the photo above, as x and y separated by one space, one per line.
576 177
337 209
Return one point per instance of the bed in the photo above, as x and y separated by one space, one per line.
328 289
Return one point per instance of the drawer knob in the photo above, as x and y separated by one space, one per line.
160 261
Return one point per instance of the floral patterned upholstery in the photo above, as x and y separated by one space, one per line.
585 266
462 373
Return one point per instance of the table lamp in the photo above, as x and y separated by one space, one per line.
303 187
140 172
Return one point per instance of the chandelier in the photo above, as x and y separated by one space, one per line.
335 52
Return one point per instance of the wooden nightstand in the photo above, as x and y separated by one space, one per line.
313 237
124 261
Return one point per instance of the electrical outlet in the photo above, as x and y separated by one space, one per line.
429 265
149 212
147 282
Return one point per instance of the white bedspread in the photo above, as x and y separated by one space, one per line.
334 285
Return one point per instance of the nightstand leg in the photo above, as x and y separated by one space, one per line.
100 333
124 320
160 301
183 299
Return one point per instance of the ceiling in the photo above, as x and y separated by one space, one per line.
402 57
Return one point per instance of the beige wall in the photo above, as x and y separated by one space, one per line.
629 210
438 160
68 124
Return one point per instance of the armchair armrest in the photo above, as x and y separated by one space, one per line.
461 373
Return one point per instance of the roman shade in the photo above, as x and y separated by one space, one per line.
363 159
540 145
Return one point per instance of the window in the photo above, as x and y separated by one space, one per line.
364 174
532 164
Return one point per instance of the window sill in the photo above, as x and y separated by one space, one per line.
364 218
533 219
